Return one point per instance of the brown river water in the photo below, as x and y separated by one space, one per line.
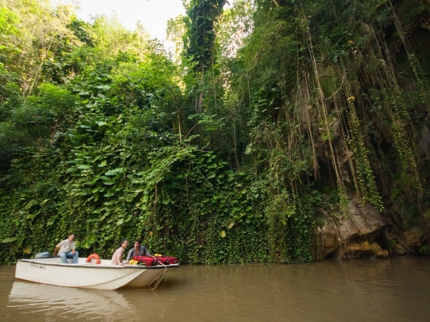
396 289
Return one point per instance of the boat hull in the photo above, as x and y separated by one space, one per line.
87 275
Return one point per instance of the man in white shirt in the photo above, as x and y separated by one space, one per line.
67 249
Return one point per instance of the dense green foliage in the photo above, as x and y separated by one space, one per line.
224 157
200 37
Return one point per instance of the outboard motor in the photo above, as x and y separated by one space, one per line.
42 255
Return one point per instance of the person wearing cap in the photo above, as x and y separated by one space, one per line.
67 249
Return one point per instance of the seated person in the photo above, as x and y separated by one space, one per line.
67 249
117 256
137 250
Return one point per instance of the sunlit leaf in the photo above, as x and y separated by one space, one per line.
9 240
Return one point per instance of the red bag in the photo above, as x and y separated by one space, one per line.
167 260
146 260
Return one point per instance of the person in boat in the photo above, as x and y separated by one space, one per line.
67 249
117 256
137 250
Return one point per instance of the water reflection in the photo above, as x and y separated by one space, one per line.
358 290
60 302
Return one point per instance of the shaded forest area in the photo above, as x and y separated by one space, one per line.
279 131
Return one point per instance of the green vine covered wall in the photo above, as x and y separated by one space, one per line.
219 158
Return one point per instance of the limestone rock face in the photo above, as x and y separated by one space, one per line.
396 243
414 236
354 235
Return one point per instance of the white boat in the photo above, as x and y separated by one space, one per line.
103 276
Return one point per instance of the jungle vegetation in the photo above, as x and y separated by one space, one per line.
269 110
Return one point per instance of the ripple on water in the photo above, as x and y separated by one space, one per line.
60 302
357 290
